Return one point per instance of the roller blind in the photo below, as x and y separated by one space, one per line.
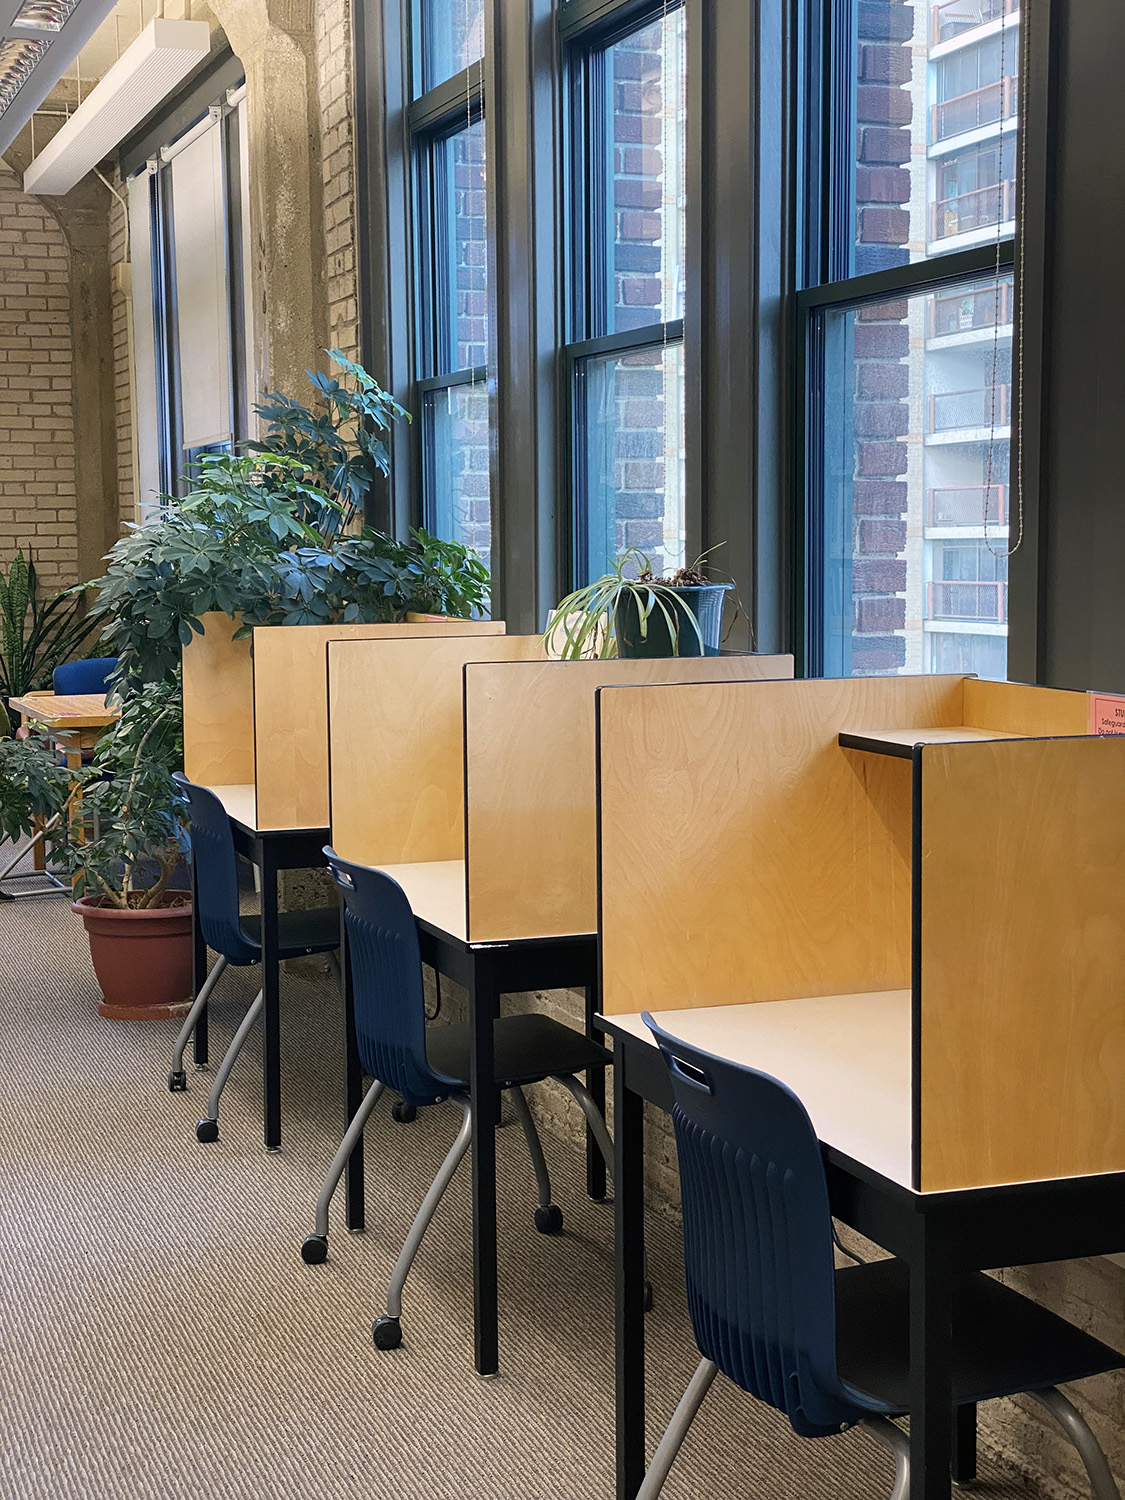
144 344
202 303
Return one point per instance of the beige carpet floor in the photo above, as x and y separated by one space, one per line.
160 1336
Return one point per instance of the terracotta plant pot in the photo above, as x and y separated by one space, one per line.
142 958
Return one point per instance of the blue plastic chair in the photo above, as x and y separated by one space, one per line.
234 935
429 1066
89 676
829 1348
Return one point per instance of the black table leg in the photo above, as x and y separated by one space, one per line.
595 1083
353 1092
271 1010
198 975
965 1443
931 1366
484 998
629 1278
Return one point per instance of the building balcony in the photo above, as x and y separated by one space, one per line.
955 18
954 411
976 210
991 105
959 600
966 312
964 507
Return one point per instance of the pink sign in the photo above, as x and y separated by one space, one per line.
1107 713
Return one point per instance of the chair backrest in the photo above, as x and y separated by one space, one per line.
386 973
757 1236
216 874
89 676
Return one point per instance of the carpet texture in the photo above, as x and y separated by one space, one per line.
161 1337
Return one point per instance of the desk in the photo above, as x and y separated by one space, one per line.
487 971
76 721
270 851
941 1236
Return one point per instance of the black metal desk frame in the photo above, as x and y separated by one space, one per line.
941 1236
486 971
270 851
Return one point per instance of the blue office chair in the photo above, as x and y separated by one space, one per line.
830 1349
430 1066
234 935
89 676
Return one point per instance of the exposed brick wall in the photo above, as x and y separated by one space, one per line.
336 79
119 252
37 458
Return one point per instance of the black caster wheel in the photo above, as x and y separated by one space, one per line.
404 1114
549 1220
207 1131
386 1333
314 1250
648 1297
177 1082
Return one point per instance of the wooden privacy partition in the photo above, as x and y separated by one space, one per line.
750 851
258 716
530 783
395 730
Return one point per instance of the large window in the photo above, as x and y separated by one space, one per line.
451 271
192 336
626 188
908 342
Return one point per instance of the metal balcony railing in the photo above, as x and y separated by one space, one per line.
985 106
957 600
965 506
975 210
957 312
955 17
950 410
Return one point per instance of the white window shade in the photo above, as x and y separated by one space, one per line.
144 345
253 383
202 297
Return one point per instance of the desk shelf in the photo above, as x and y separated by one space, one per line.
901 742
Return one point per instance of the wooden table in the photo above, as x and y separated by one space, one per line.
75 722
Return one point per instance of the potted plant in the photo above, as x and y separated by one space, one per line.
34 787
629 612
269 537
121 839
35 637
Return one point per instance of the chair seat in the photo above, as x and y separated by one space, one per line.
298 932
1002 1342
528 1049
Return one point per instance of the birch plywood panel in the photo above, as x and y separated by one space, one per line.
291 711
531 784
744 856
396 744
1012 708
218 705
1022 1006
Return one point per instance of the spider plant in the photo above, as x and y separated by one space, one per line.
585 623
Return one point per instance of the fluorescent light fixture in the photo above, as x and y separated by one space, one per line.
143 76
43 15
17 59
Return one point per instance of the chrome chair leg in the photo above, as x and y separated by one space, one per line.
594 1117
677 1430
892 1437
386 1331
177 1078
208 1127
548 1218
314 1249
1103 1486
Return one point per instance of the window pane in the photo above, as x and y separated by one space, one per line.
914 568
935 98
452 38
630 457
454 255
640 281
455 478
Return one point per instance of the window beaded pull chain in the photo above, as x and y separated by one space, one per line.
1021 129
